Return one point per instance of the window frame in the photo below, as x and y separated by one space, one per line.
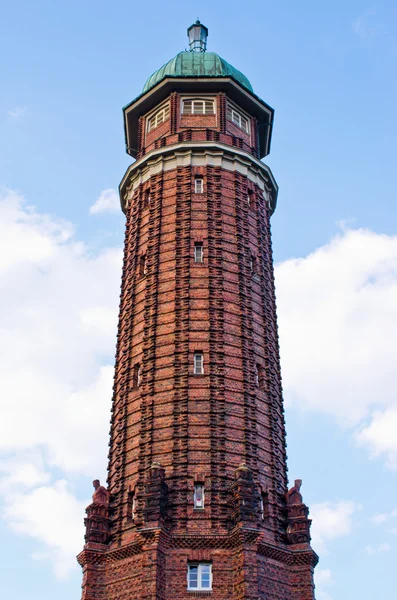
199 99
239 114
195 501
198 256
199 566
164 110
198 180
197 354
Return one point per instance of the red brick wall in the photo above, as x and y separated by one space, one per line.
197 428
197 127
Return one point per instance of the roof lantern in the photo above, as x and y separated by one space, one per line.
197 34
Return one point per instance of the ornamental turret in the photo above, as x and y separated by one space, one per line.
197 498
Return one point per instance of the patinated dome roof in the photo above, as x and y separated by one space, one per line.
197 64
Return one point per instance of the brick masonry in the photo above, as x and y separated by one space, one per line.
223 429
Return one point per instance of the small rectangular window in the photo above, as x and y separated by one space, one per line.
136 378
259 376
198 252
198 496
199 576
131 505
264 505
198 185
253 265
198 363
250 199
146 199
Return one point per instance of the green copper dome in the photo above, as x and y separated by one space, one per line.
197 64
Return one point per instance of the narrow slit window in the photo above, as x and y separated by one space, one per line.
198 363
198 252
198 496
259 376
147 199
198 185
253 265
136 381
142 265
131 505
250 199
264 505
199 576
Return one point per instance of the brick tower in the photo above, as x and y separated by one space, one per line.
196 502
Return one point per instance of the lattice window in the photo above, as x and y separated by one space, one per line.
199 576
198 252
198 106
158 117
198 185
238 118
198 363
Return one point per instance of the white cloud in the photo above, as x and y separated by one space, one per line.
331 521
52 515
16 113
107 202
25 470
58 323
379 518
338 325
377 549
362 25
322 579
381 435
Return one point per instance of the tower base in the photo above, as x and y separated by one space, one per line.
154 567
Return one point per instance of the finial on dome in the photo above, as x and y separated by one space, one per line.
197 34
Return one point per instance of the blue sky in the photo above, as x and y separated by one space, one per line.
328 69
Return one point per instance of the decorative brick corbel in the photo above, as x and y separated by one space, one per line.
298 523
156 495
245 496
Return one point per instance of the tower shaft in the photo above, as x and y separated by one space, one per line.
197 501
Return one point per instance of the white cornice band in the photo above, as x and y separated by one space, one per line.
198 154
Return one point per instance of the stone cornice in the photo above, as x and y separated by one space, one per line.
198 154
